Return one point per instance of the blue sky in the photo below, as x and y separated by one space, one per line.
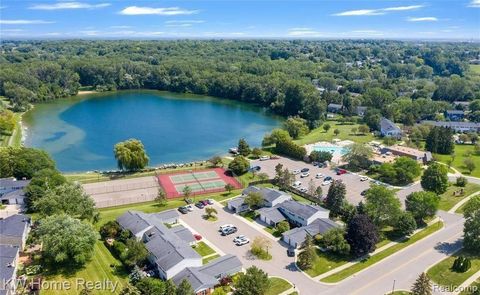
434 19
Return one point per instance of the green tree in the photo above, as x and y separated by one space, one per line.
422 205
136 253
320 156
363 129
110 229
130 290
185 288
440 140
243 147
68 199
422 286
461 181
336 132
150 286
435 179
307 255
284 178
362 235
469 164
130 155
42 181
254 200
277 135
66 240
256 152
406 224
170 287
335 199
326 127
161 197
22 162
229 187
471 231
296 127
216 161
210 212
186 191
334 240
406 170
358 156
283 226
239 165
382 206
254 282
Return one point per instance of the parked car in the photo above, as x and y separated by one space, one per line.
341 171
222 227
210 201
363 178
197 237
296 171
303 189
238 238
305 174
326 182
364 192
183 210
189 201
327 178
229 231
200 205
318 175
189 208
304 170
256 168
291 252
297 184
242 242
274 157
315 163
204 202
264 158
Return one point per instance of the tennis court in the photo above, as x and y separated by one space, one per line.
199 182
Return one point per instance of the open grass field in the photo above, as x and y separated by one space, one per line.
324 262
203 249
98 269
319 134
343 274
475 69
448 200
278 286
443 274
462 151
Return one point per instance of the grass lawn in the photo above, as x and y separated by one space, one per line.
461 153
249 215
97 269
471 288
475 69
203 249
278 286
448 200
337 277
400 293
210 258
324 262
319 134
14 139
443 274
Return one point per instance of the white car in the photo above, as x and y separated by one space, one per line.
303 189
238 238
189 208
305 174
297 184
326 182
318 175
242 242
264 158
225 226
363 178
296 171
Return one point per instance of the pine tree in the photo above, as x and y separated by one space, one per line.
185 288
243 147
422 286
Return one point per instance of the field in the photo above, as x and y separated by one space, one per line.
14 139
461 153
448 200
319 134
103 266
278 286
475 69
443 274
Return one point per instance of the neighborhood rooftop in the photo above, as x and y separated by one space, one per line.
297 235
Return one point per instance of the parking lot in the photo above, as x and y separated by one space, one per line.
352 181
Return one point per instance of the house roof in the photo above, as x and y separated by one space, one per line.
198 280
387 125
183 233
134 221
8 255
452 124
303 210
10 183
14 225
272 213
166 215
268 194
334 106
222 265
318 226
237 202
454 112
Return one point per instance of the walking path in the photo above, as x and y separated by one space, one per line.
467 283
463 201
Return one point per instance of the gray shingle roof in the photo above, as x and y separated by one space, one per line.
272 213
334 106
453 124
236 202
183 233
166 215
133 221
268 194
303 210
387 125
455 112
14 225
7 258
199 281
221 265
319 226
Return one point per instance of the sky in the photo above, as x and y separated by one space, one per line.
263 19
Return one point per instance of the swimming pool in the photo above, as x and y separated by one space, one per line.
332 149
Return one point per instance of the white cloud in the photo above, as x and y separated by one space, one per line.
304 32
422 19
381 11
184 21
474 3
24 22
135 10
367 32
120 27
68 5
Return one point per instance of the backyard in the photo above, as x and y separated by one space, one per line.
462 151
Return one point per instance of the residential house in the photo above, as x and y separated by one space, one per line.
454 115
11 191
459 127
8 269
295 237
403 151
238 205
334 108
14 230
302 214
360 110
203 279
270 196
389 129
462 104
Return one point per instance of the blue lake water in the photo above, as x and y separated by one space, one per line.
80 132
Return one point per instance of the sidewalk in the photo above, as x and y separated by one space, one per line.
463 201
467 283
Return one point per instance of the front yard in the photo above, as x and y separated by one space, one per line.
278 286
203 249
448 200
443 274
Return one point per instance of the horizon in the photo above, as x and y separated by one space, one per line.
242 20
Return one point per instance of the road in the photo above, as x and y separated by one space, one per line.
403 268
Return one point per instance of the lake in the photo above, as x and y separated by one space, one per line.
80 132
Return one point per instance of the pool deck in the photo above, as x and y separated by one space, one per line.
335 145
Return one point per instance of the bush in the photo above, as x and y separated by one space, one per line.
461 264
283 226
239 165
291 149
461 181
118 248
110 229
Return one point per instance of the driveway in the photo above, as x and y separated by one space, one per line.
352 181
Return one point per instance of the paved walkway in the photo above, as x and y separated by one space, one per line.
463 201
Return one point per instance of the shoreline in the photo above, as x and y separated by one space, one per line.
84 92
